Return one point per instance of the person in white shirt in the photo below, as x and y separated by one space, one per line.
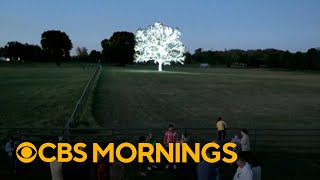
256 168
245 142
244 171
56 170
245 145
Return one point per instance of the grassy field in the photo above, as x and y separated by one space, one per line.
193 97
43 95
40 95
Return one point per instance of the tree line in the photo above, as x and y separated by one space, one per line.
119 49
56 46
271 58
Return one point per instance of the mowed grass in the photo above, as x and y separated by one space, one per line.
194 97
40 95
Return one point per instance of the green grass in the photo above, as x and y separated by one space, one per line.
43 95
40 95
245 98
194 97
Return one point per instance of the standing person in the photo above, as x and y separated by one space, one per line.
186 171
144 164
74 170
244 171
11 150
170 136
245 144
219 164
103 168
256 168
205 170
117 171
56 170
221 127
153 142
84 167
236 140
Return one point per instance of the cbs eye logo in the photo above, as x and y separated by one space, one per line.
24 152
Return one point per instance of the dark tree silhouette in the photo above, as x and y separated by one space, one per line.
105 54
57 45
14 50
312 57
271 58
1 51
119 48
25 52
188 59
94 56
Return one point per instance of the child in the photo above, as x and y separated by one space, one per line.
184 138
152 141
236 141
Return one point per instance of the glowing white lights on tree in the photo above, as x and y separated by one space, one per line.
159 43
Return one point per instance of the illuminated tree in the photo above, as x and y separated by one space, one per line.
159 43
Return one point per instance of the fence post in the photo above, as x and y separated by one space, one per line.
254 140
64 134
112 135
78 111
20 136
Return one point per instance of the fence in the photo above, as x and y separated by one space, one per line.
262 140
79 108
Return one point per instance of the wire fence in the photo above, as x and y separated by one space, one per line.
261 140
80 106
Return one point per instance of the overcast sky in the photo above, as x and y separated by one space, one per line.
210 24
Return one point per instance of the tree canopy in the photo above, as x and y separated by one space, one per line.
57 45
17 51
119 48
271 58
159 43
95 56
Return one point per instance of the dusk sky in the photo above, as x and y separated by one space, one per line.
210 24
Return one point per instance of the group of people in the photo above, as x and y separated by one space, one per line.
102 170
170 136
243 144
248 167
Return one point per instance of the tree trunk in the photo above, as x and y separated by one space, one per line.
58 61
160 66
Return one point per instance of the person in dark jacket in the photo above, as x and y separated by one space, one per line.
205 170
186 171
144 164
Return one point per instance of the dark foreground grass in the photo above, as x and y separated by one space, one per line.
194 97
40 95
186 97
280 166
